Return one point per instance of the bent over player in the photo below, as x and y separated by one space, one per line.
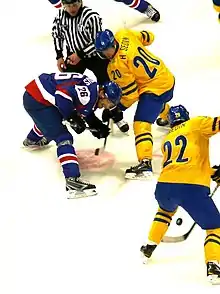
52 98
185 180
144 78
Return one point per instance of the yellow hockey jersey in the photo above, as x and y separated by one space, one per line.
186 152
135 69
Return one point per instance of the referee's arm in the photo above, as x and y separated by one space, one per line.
58 38
94 25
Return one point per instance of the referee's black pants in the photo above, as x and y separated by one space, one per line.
97 65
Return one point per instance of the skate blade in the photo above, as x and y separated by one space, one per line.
143 176
144 259
81 194
35 148
214 279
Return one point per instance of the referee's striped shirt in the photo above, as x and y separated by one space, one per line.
76 33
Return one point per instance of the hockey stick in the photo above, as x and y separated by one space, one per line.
97 151
167 239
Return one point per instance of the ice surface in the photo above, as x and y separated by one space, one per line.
53 245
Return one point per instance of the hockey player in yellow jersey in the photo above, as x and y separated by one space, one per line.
185 181
144 78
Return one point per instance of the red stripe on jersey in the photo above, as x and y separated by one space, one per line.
34 91
134 4
67 157
66 84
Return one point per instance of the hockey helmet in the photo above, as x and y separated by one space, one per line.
104 40
177 114
70 1
112 91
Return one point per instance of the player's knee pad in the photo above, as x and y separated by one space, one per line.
141 127
64 139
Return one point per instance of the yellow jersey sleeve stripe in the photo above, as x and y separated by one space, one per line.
128 86
144 34
214 125
130 92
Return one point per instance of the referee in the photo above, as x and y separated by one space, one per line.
75 27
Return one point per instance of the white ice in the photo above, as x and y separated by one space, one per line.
52 245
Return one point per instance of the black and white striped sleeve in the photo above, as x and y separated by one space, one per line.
58 36
94 25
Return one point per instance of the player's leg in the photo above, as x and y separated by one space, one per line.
162 120
49 121
35 138
167 208
148 109
143 7
204 212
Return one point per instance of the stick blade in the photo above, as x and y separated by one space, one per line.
168 239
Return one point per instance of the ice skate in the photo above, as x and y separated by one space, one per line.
142 171
43 142
78 188
123 126
147 251
213 272
152 13
162 122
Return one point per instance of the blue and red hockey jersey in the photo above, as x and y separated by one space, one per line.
66 91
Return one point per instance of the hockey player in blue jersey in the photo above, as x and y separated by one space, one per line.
53 98
140 5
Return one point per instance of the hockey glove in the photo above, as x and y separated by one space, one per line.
98 129
117 116
216 176
76 122
115 113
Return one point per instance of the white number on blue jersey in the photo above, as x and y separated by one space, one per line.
83 94
67 76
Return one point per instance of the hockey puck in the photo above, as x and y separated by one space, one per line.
97 151
179 222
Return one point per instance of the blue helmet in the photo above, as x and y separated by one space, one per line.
104 40
112 91
177 114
